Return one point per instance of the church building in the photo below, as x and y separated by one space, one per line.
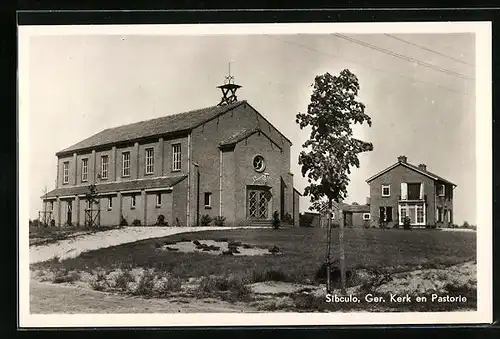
227 160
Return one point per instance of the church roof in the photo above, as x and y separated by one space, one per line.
154 127
129 185
242 134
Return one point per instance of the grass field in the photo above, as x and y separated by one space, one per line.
303 250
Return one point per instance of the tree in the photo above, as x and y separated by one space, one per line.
331 150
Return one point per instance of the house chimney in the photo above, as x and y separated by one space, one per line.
402 158
422 167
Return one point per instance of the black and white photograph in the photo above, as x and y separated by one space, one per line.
199 175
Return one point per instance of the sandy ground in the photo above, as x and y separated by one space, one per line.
457 230
70 248
49 298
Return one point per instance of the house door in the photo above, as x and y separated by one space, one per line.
69 210
347 219
258 203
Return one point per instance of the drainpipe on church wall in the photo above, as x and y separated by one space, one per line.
188 214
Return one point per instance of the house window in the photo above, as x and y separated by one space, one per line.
150 160
158 200
386 190
366 216
85 169
176 157
110 203
414 191
104 166
420 214
258 163
403 213
385 214
126 164
208 199
51 205
441 190
89 204
65 172
132 205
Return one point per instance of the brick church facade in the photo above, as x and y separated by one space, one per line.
227 160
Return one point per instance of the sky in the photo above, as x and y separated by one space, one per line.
82 84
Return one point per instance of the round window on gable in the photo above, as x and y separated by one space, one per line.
258 163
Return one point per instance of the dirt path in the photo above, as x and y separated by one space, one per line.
70 248
49 298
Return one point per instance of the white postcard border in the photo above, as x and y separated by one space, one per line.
483 314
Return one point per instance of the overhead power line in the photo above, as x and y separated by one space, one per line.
429 50
406 77
401 56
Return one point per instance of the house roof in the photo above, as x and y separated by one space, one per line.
296 190
162 182
356 208
243 134
159 126
414 168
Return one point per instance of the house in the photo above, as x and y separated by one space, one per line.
403 189
226 160
356 215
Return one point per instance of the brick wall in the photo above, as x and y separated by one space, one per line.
153 211
207 155
245 152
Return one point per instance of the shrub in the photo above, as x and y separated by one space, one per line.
123 221
276 220
205 220
122 280
145 285
63 276
382 223
219 220
229 288
465 224
160 221
99 282
53 223
166 285
406 223
177 222
136 222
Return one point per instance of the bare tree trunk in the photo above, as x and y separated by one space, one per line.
342 254
329 241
